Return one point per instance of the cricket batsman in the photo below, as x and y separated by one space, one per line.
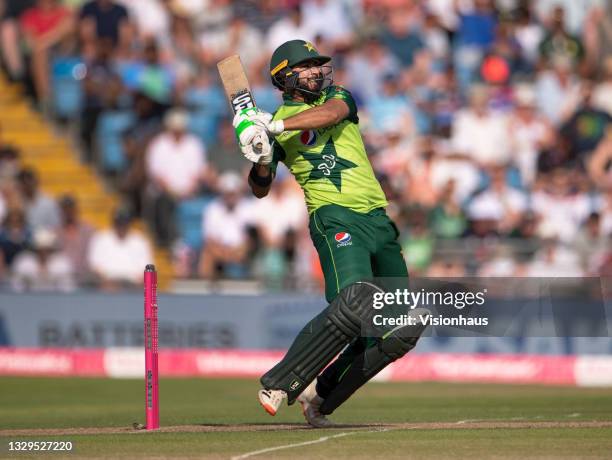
316 134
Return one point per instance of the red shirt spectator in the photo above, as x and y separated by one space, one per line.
39 20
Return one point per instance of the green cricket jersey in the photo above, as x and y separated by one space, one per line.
330 164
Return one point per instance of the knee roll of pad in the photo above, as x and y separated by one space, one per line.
395 344
322 339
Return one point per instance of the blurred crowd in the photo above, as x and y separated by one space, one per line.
487 123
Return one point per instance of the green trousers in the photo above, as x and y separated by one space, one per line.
353 247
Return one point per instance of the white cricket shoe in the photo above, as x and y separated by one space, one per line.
311 401
271 400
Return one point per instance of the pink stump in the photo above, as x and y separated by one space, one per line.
151 348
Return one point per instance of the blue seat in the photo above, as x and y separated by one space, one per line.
109 131
67 74
189 216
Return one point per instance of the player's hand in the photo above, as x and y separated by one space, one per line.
264 119
259 150
259 118
245 127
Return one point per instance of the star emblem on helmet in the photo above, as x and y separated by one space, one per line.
309 46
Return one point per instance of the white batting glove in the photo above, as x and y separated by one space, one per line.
264 119
259 150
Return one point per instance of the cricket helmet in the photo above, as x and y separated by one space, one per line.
291 54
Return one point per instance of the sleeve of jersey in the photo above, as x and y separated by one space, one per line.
278 154
339 92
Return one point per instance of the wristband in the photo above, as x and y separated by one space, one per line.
276 127
258 180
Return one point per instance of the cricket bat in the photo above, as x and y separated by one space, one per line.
236 85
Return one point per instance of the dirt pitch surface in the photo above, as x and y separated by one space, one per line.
255 427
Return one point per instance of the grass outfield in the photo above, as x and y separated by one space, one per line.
222 419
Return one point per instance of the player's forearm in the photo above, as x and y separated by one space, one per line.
260 180
328 114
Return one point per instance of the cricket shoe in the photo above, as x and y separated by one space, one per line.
271 400
311 402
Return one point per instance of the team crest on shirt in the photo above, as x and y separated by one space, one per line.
308 137
343 239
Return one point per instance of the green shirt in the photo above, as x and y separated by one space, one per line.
330 164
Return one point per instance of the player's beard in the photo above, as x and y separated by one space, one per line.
312 86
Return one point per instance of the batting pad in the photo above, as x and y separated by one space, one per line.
322 339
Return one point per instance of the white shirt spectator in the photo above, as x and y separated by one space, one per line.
119 259
496 205
465 175
178 164
150 16
281 211
284 30
42 212
222 42
484 138
564 214
327 18
227 226
29 274
555 100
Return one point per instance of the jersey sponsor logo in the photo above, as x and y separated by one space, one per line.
308 137
343 239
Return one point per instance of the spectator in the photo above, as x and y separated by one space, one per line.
529 133
10 37
587 126
529 35
591 243
499 203
401 37
558 42
602 93
44 268
558 91
291 27
225 223
155 79
41 210
559 205
9 167
390 108
104 19
474 36
118 255
147 123
328 19
15 236
480 133
176 167
598 36
152 18
74 237
367 67
238 38
44 26
447 218
101 87
599 165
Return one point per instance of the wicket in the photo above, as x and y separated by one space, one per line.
151 348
